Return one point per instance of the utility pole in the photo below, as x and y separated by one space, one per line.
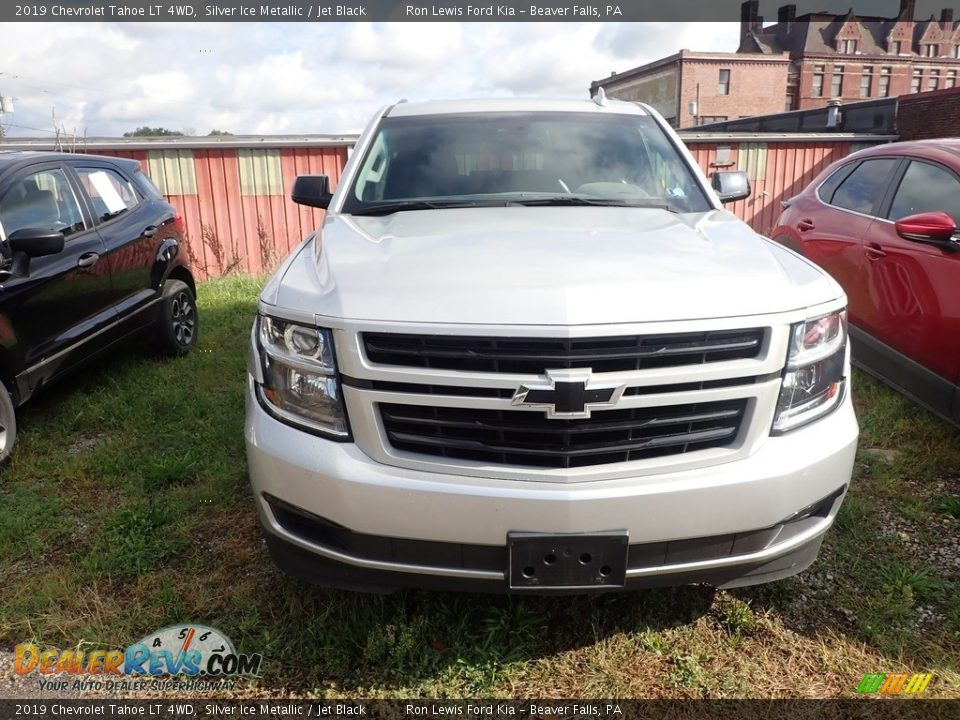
6 108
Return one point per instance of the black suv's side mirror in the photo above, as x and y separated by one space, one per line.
731 185
312 190
35 242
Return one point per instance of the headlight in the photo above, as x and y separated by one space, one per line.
301 386
813 382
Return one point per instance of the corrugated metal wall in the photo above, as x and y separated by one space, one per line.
777 170
236 202
239 216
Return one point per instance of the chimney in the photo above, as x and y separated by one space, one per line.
785 18
749 17
946 19
906 10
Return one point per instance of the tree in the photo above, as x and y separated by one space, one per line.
147 131
218 133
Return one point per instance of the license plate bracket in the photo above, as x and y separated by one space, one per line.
576 560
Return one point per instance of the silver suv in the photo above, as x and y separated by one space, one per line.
528 351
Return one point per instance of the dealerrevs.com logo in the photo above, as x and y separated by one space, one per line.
178 650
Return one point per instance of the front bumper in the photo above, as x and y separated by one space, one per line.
370 525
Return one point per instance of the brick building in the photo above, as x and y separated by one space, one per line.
720 86
855 58
798 63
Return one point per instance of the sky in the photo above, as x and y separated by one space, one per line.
263 78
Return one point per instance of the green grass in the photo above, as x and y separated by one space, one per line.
127 508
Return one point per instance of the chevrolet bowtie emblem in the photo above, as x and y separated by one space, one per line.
568 394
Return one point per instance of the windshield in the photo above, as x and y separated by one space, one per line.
478 159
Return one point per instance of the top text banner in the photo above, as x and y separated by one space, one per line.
436 10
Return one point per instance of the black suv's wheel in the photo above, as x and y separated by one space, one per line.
178 322
8 425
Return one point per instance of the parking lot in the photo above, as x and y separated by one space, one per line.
127 508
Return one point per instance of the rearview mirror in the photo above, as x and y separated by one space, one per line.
35 242
731 185
930 227
312 190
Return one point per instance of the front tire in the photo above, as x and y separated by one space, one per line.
178 323
8 425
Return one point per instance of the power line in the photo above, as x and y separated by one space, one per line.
15 76
28 127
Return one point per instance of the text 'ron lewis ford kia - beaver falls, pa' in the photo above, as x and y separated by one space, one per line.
529 351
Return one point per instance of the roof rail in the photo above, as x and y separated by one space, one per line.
386 113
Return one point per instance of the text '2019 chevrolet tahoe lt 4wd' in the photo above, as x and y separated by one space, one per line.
528 351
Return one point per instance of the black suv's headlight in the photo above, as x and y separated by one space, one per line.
301 385
813 382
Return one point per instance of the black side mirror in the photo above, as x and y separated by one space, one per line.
312 190
35 242
731 185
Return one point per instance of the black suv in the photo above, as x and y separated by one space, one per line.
90 255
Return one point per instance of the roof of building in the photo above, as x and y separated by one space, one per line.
685 56
815 34
175 142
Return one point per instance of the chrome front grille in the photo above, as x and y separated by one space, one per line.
684 395
537 355
530 439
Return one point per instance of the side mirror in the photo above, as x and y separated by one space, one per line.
930 227
35 242
731 185
312 190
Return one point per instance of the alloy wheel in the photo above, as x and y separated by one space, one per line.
183 318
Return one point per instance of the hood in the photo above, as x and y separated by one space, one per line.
544 266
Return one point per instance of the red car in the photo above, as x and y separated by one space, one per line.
883 222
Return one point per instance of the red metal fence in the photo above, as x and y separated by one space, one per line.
232 231
778 170
239 217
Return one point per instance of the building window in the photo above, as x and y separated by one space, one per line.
951 79
866 80
956 51
916 80
930 50
896 47
723 83
933 82
884 89
706 119
848 47
836 82
817 89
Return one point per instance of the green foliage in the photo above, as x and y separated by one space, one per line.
146 131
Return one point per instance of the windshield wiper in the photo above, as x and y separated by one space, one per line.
402 205
579 200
